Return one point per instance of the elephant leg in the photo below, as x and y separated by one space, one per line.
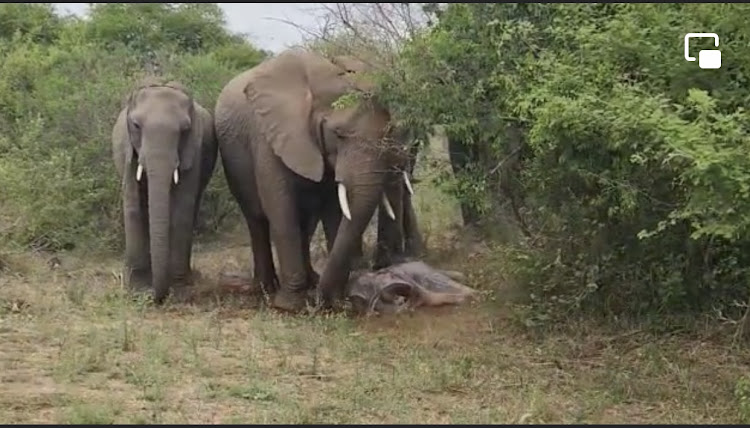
461 156
413 243
196 211
291 296
390 233
184 274
238 171
386 241
182 223
286 235
137 250
264 272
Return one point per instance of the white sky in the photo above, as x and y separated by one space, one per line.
249 18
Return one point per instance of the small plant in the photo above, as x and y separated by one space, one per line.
347 100
91 414
742 395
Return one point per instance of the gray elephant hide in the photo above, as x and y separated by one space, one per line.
405 286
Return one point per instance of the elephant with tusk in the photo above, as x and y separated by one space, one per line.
398 236
293 159
164 151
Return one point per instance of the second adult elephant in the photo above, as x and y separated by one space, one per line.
164 151
399 238
290 158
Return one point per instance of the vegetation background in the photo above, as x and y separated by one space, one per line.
606 176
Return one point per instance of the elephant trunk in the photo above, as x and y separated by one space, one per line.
159 187
362 200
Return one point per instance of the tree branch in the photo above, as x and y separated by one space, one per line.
371 32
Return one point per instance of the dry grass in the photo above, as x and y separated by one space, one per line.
76 349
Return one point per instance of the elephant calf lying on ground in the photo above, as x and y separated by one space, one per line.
392 289
405 286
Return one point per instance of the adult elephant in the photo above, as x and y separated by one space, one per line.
164 150
291 159
399 238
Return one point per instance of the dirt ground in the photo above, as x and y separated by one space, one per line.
77 349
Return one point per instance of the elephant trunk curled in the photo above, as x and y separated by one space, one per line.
159 185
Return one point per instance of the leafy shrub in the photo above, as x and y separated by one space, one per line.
60 99
632 174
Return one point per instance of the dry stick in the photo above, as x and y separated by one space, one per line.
743 329
368 26
505 159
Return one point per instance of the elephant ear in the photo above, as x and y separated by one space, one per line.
131 132
127 148
191 145
282 107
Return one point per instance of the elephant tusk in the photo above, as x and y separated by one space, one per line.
176 176
388 207
344 203
408 183
138 172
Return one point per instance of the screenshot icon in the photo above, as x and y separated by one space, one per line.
707 58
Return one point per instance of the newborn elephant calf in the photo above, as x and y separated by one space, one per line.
405 286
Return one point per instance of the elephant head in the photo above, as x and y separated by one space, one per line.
296 108
165 138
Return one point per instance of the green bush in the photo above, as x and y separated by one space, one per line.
633 169
59 101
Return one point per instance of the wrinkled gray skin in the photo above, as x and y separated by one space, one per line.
406 286
171 137
290 160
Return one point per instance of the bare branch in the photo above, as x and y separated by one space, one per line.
372 32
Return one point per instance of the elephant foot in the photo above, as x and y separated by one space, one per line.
330 300
289 301
324 303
